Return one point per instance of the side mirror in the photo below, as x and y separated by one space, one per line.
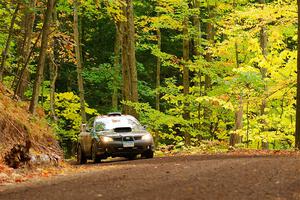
83 128
99 127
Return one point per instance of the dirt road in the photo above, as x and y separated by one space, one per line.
182 177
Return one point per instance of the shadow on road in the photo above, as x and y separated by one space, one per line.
170 159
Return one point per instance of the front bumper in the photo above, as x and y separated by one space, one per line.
116 148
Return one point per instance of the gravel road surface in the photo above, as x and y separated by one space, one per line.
180 177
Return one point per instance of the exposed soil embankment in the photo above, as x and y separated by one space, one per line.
23 133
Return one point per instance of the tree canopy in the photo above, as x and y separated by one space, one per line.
191 70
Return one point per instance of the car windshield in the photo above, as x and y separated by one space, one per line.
110 123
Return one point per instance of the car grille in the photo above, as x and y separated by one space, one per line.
119 139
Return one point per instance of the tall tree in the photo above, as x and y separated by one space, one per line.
297 134
210 39
129 71
263 70
235 138
53 69
126 77
131 53
79 62
186 78
158 71
116 66
7 45
28 23
210 34
197 48
42 56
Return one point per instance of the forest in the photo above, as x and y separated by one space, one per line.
190 70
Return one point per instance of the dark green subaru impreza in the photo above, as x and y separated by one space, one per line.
113 135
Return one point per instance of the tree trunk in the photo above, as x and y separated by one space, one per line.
116 70
79 63
158 69
263 46
297 133
24 68
197 46
235 138
197 26
126 83
208 57
131 51
53 68
42 56
7 45
186 81
29 17
129 72
210 39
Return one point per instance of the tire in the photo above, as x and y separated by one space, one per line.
95 157
148 154
81 158
131 157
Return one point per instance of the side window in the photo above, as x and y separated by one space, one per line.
99 126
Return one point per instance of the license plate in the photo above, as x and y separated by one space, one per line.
128 144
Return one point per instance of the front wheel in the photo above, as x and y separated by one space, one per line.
148 154
95 157
81 159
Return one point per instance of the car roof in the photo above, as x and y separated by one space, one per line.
117 121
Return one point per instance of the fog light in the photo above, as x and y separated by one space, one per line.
107 139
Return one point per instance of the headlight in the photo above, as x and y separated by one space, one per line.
147 137
107 139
